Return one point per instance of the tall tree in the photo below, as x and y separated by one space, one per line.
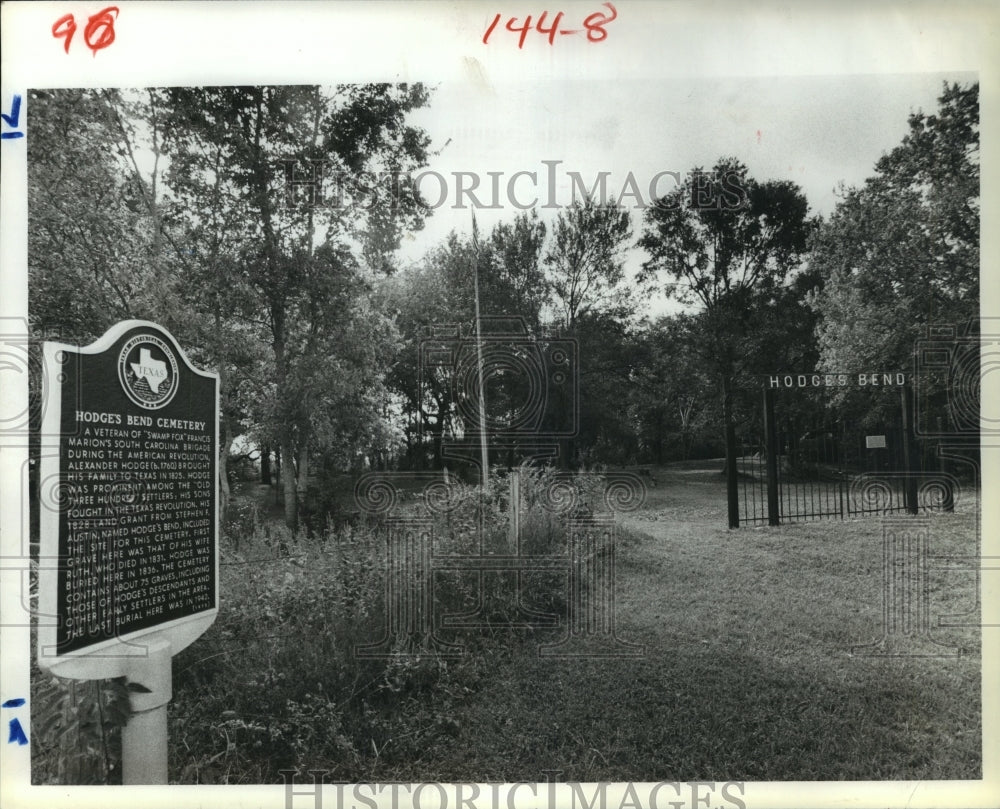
727 243
89 234
301 260
439 293
672 400
586 258
512 280
901 252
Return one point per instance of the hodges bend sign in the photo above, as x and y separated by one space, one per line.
128 493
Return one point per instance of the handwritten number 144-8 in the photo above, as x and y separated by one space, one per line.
593 25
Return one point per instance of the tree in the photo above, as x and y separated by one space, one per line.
901 252
672 396
585 260
727 244
300 264
606 345
512 281
440 293
88 233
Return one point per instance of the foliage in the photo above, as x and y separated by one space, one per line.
511 277
275 682
438 297
299 270
524 276
585 260
89 233
607 346
901 252
673 402
730 245
725 238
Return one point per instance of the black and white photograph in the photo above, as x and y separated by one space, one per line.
499 406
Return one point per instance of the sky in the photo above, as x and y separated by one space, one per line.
818 132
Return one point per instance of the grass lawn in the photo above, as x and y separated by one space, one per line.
747 672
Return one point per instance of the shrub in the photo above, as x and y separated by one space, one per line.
275 682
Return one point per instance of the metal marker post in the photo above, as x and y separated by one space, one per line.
771 448
910 480
144 738
128 379
484 453
514 509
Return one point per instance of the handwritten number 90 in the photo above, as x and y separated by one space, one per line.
98 34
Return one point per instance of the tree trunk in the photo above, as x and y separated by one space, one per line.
279 492
265 465
288 481
302 470
732 501
224 492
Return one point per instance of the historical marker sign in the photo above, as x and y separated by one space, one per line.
128 501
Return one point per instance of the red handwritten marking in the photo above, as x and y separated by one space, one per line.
99 33
523 29
104 22
64 27
540 26
593 24
489 30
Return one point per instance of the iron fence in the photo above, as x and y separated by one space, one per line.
821 474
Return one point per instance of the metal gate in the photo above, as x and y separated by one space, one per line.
794 468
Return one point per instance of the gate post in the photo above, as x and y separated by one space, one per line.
732 497
771 448
910 474
945 468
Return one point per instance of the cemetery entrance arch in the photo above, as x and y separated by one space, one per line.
800 456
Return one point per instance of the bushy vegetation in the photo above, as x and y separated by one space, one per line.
747 671
277 683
